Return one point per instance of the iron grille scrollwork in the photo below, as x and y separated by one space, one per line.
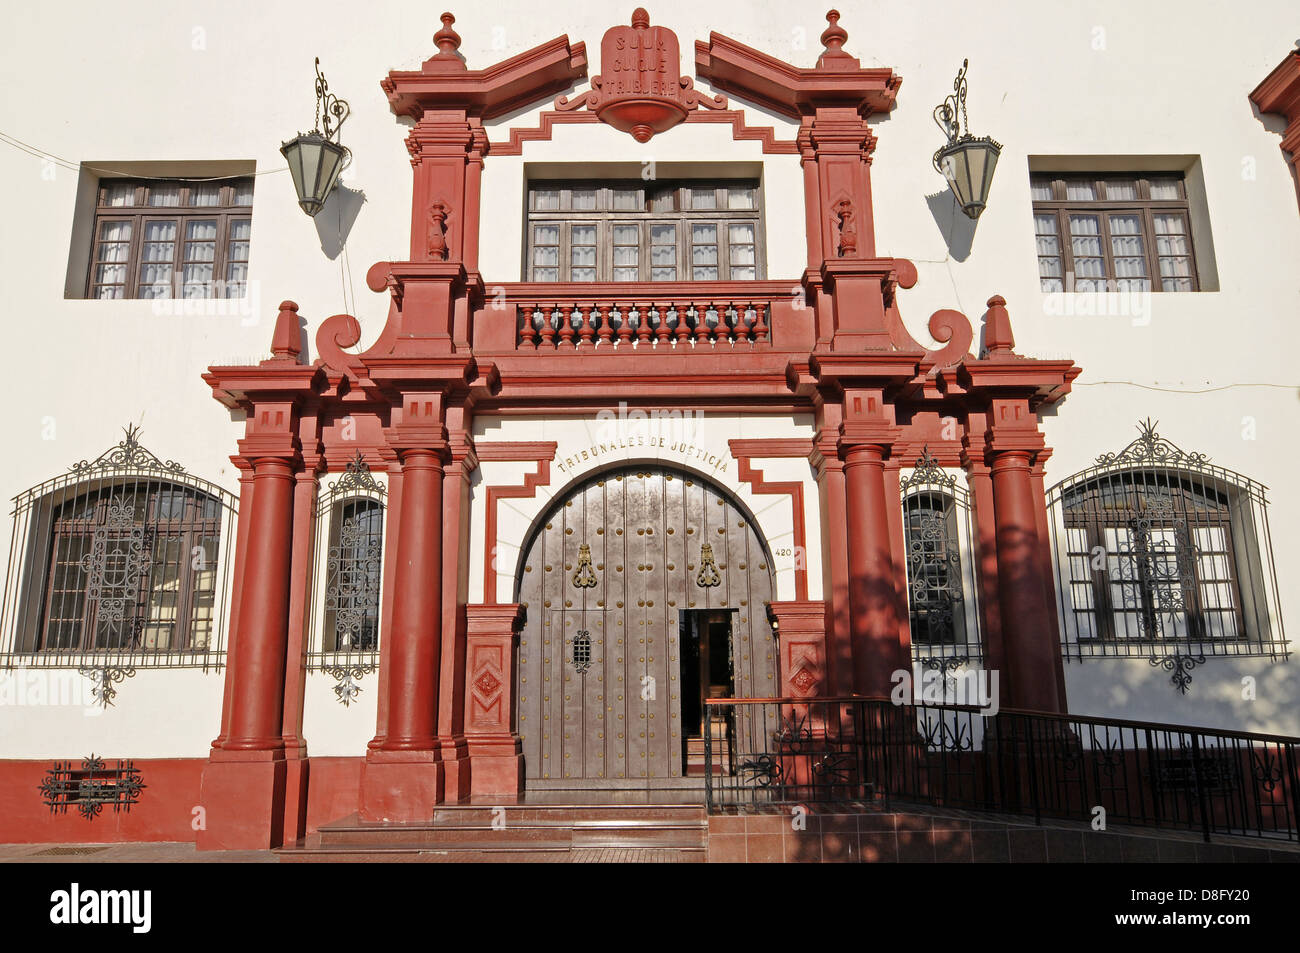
1162 554
582 651
344 637
102 680
118 563
92 787
936 516
348 678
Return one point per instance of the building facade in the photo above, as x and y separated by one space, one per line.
678 373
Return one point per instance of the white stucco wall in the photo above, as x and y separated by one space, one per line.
229 82
696 443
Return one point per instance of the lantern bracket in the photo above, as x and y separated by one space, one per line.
334 110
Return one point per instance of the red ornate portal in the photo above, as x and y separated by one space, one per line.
640 91
838 352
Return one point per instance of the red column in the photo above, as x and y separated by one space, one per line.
402 778
243 785
1029 626
257 696
417 608
835 570
873 616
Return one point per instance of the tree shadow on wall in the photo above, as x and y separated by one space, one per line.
334 222
957 230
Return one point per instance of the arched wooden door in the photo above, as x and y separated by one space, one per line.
622 582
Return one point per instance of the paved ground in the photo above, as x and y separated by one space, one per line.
186 854
128 854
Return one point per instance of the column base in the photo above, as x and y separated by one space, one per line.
243 802
497 766
401 786
455 759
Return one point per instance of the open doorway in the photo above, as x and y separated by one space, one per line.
707 671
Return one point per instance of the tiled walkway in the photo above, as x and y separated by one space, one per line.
169 853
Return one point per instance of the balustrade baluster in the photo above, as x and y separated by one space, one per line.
663 333
760 328
702 325
624 324
602 318
683 328
642 325
548 325
527 336
585 329
566 325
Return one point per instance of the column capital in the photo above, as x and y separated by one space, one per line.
867 436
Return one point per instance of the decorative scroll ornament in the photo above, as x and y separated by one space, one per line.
1151 449
1181 665
347 677
357 477
640 90
119 557
928 472
127 455
708 576
91 787
101 681
585 576
331 112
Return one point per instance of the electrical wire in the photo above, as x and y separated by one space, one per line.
1185 390
38 153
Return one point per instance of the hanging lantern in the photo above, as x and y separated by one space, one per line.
966 162
316 158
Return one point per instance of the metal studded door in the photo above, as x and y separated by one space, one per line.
604 581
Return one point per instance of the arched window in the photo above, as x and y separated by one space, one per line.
119 562
344 638
1162 554
940 591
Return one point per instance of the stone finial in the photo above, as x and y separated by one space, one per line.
998 339
286 343
448 40
640 19
833 38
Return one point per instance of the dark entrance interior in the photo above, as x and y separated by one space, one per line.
708 671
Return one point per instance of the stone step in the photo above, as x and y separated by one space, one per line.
531 853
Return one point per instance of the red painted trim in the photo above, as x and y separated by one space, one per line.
1279 93
540 451
743 451
165 811
549 119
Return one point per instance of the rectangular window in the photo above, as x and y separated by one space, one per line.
634 231
1112 232
159 238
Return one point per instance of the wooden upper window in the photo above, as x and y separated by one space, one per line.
1113 232
644 231
169 238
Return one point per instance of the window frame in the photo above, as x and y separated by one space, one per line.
1103 581
652 196
189 529
140 213
1144 206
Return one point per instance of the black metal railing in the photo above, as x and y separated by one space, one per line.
787 751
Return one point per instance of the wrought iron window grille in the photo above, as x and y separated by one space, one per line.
940 560
92 787
122 562
343 642
1162 554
